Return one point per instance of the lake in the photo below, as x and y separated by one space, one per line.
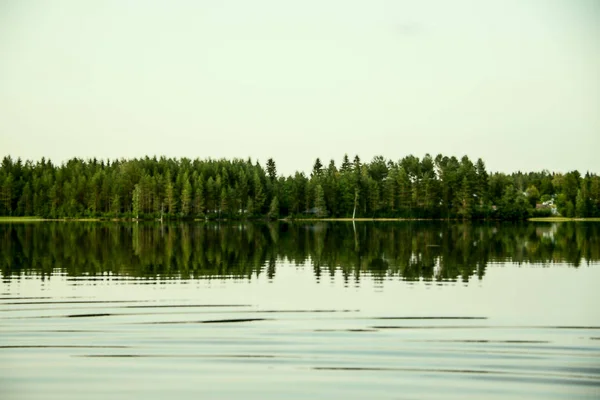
295 310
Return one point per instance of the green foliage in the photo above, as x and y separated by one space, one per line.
513 205
136 201
115 206
346 165
170 199
198 201
541 213
465 199
533 195
274 209
317 169
259 194
440 187
271 169
320 205
186 197
581 204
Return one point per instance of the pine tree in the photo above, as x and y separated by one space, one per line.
7 193
249 207
346 165
317 169
136 201
53 194
115 205
357 163
271 169
26 201
186 197
259 194
223 205
581 206
274 208
404 190
198 208
211 195
233 201
482 182
389 191
170 199
595 196
242 190
465 208
346 189
320 205
373 203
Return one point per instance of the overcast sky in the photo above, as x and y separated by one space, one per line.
516 82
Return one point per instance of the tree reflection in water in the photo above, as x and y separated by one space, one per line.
407 250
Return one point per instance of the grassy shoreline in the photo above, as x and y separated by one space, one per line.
40 219
563 219
22 219
364 219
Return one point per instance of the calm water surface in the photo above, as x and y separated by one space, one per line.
372 310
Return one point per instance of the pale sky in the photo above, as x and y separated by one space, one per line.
516 82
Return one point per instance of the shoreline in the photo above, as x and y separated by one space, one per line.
40 219
563 219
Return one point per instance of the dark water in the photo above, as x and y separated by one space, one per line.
372 310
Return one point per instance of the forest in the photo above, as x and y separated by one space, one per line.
166 188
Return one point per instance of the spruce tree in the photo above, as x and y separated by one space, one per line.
346 165
186 197
259 193
136 201
317 169
271 169
320 205
274 209
170 199
115 205
198 202
581 209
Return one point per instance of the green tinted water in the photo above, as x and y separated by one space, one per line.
371 310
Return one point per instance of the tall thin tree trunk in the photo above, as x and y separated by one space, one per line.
355 200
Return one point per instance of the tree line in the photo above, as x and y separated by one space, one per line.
168 188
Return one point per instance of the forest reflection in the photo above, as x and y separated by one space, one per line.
406 250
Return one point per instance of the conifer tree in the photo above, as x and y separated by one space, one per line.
271 169
317 169
346 165
198 208
274 208
136 201
223 206
259 194
320 205
7 193
115 205
170 200
465 208
581 203
186 197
